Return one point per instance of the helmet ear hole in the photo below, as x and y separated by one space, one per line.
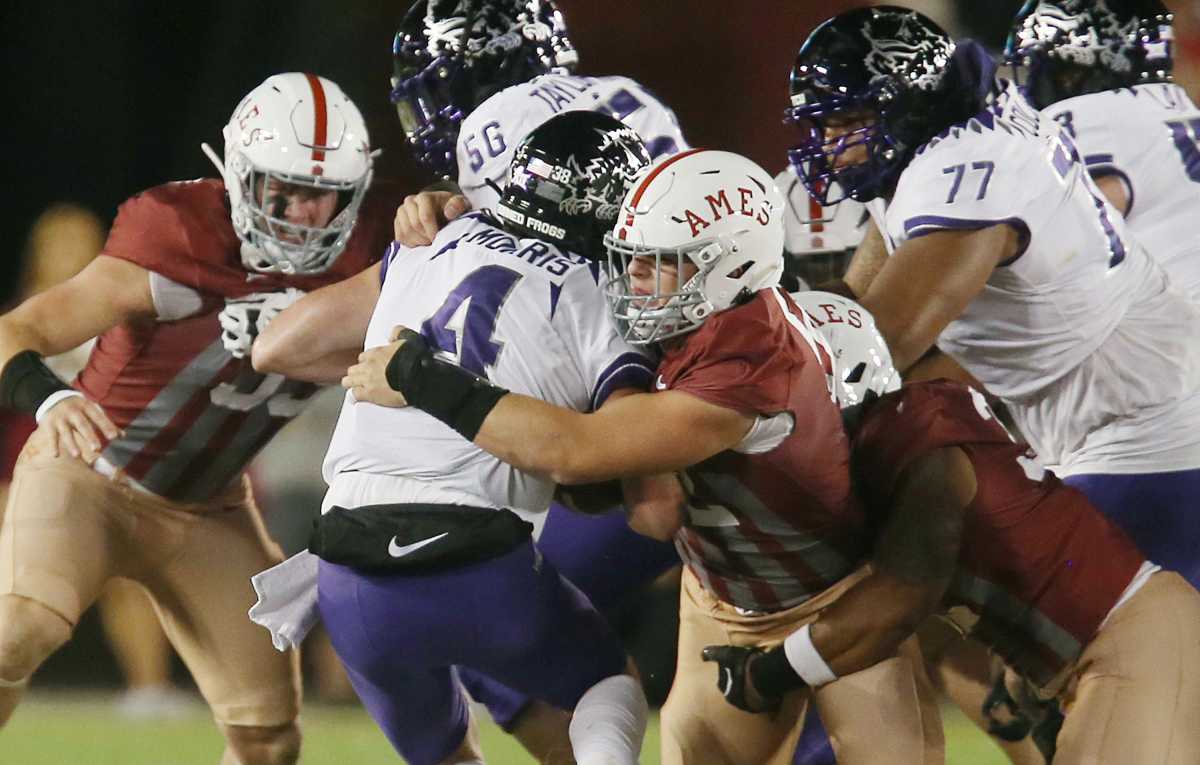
740 271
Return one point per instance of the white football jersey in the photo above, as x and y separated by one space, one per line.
1149 137
1080 333
491 133
527 316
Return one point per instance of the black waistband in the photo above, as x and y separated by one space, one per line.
415 538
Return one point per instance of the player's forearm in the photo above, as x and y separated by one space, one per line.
655 505
545 439
306 342
17 336
869 622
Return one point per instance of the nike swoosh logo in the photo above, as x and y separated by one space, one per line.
659 384
728 684
399 551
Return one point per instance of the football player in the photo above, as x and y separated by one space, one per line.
990 238
471 79
742 403
137 470
1102 70
509 299
968 517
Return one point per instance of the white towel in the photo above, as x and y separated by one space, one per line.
287 599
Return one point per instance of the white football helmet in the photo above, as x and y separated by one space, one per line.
300 129
713 209
819 241
862 363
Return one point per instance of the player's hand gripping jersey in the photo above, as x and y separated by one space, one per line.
490 133
520 312
772 522
1038 563
1080 333
1148 136
193 415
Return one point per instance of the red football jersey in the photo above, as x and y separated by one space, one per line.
1039 564
768 531
193 415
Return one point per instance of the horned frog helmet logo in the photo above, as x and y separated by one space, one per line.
492 30
606 179
905 51
1083 32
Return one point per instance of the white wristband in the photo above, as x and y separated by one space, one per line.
53 399
806 660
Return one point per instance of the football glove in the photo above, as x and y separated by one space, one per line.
244 319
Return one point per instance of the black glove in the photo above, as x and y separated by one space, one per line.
752 679
732 676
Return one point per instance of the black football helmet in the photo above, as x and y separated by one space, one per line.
568 178
451 55
888 66
1065 48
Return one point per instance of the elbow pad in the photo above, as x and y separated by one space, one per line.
444 390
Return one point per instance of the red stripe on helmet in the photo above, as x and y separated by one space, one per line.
815 214
320 116
637 196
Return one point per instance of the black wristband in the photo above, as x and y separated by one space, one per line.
26 382
772 675
444 390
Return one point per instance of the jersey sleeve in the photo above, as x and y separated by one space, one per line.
605 361
739 359
976 178
148 231
1109 133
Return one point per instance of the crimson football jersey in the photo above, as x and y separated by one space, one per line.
1038 563
193 415
767 531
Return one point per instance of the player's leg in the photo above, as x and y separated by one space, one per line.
884 714
398 659
697 724
202 596
962 669
607 561
540 727
1135 697
551 644
1157 509
58 545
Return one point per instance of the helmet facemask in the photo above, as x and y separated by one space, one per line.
816 157
722 279
271 243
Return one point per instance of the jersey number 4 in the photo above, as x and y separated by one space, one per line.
465 324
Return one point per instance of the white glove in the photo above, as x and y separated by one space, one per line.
243 319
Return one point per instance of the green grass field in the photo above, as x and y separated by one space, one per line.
83 729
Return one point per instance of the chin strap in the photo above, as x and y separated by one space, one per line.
212 157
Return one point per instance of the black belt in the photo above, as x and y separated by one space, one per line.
415 538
